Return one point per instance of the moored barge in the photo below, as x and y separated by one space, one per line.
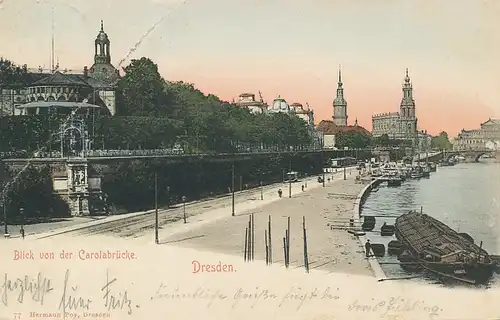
436 247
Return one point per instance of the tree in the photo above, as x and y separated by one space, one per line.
12 74
141 91
352 139
441 141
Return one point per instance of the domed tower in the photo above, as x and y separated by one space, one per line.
102 68
340 105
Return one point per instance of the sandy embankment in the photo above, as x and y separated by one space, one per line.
329 250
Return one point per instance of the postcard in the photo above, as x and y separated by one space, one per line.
232 159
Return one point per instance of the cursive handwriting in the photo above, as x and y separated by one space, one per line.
395 305
254 297
70 302
36 288
165 292
112 301
299 295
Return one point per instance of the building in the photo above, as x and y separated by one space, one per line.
400 125
247 100
93 86
330 131
487 136
340 105
280 105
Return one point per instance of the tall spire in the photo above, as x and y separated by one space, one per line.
339 104
340 76
102 28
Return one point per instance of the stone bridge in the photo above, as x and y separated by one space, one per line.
469 155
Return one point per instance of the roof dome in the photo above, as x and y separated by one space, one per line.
102 36
280 104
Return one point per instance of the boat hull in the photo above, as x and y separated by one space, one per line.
477 272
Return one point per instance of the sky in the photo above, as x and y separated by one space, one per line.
291 48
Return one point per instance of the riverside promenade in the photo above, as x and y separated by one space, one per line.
329 250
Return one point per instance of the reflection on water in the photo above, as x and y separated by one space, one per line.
466 197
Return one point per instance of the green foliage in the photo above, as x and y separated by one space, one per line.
352 140
385 141
12 74
32 191
441 142
205 123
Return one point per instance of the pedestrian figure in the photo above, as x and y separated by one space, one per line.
368 247
302 187
280 193
22 232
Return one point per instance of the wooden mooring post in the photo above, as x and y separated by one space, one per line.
246 244
284 249
269 242
306 258
288 243
253 237
267 247
249 249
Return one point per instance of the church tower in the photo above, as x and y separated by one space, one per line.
102 69
407 109
340 105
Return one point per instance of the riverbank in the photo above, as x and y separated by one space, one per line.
329 250
363 195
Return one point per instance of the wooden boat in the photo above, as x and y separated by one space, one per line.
393 182
433 167
387 230
368 223
395 247
438 248
426 171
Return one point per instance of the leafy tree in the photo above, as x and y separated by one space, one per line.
13 74
141 91
441 141
355 140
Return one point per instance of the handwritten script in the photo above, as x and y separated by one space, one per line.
70 296
297 297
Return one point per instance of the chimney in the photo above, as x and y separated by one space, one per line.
85 72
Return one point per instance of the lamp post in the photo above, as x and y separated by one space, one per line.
289 178
156 209
168 197
261 191
232 190
21 211
184 207
6 231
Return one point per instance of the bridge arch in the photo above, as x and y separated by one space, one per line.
468 154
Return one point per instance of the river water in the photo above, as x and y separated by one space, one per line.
466 197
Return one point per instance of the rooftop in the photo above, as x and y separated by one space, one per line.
329 127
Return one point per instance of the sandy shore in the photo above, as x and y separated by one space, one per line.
329 250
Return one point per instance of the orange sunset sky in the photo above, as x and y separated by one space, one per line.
290 48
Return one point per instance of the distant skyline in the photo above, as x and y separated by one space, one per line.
289 48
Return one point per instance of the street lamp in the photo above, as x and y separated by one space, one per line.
168 197
261 191
6 231
21 211
232 190
184 207
156 209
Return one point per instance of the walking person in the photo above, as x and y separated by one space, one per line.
368 247
22 232
302 187
280 193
